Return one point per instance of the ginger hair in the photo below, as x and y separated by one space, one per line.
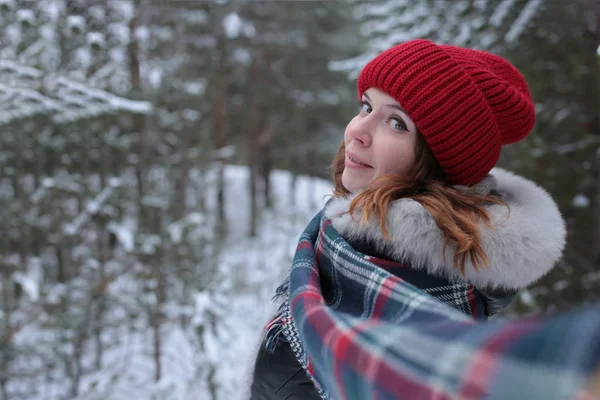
457 212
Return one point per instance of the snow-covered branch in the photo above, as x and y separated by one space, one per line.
91 208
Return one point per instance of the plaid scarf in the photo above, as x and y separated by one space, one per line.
368 334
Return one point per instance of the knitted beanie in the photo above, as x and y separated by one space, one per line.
466 103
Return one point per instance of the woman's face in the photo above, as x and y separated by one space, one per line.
380 140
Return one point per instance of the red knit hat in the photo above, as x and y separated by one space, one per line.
466 103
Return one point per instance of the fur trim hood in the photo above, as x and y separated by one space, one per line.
521 248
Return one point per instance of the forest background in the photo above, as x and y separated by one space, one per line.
159 159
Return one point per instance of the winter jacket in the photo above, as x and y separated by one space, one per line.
279 376
521 249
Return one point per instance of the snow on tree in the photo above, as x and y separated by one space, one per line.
480 24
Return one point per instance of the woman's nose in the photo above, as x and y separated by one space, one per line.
361 131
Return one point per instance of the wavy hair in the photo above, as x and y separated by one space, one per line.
457 212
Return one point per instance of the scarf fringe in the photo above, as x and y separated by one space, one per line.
282 326
275 327
292 336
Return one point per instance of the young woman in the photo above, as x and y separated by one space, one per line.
422 238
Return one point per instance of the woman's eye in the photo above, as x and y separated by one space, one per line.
365 107
398 124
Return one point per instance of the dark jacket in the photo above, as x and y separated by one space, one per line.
279 376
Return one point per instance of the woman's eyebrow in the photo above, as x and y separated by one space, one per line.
395 106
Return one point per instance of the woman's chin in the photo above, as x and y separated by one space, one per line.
352 185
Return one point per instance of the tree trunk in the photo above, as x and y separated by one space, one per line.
292 190
138 120
104 254
596 236
253 125
6 332
157 317
266 167
220 116
265 143
79 341
212 384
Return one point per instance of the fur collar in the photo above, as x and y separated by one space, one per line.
521 248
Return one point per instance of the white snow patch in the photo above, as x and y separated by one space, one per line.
581 201
522 20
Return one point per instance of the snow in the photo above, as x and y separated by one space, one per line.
563 149
124 232
387 23
97 39
561 115
176 229
142 33
36 48
149 244
101 101
560 285
195 17
47 182
8 4
580 201
527 298
6 189
202 304
97 12
593 276
91 209
235 26
375 9
26 16
114 182
76 22
232 23
191 115
522 20
141 107
501 11
155 77
329 97
196 88
120 32
71 100
30 285
125 9
242 56
391 20
224 153
24 70
25 103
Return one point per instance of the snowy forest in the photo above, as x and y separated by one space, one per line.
159 159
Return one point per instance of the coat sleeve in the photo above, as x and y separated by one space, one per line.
429 354
279 376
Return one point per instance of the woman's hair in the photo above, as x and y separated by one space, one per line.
457 212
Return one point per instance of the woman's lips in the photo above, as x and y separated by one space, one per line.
352 161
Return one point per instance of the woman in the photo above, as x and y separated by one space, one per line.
421 238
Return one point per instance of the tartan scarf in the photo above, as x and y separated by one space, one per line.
371 335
